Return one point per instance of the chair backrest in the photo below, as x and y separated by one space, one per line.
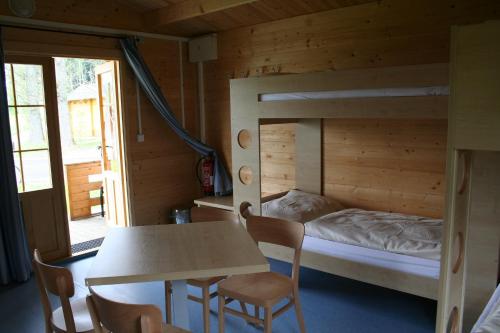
208 214
57 281
279 232
119 317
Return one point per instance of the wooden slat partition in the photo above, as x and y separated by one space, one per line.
79 185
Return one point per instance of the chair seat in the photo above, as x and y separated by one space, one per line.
166 328
205 282
263 289
83 322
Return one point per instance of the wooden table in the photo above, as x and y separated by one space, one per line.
176 253
225 202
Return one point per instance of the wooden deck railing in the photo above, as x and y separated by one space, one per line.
81 180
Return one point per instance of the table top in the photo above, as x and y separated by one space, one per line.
225 202
175 252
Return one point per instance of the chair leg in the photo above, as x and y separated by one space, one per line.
298 312
268 319
168 301
245 311
243 308
222 302
256 311
206 309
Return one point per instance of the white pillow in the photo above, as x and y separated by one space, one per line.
300 206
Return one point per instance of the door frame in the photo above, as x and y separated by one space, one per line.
14 46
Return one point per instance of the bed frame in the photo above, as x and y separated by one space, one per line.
248 111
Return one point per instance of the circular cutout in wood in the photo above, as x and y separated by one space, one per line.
465 171
245 209
245 175
458 252
244 139
452 326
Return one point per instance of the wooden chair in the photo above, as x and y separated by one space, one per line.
72 316
268 288
111 316
202 214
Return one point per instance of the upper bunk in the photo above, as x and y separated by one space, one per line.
409 92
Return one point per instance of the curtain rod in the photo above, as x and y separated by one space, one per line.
81 29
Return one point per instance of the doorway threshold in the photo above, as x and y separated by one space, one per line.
87 246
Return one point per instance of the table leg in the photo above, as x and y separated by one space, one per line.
180 306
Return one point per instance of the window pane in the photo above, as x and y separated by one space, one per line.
28 80
17 164
8 83
36 170
13 128
32 128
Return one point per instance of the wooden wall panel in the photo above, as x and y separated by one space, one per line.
162 168
391 165
109 14
380 34
277 155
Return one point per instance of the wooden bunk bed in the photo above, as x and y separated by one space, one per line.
471 243
411 92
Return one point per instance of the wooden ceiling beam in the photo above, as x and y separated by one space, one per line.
188 9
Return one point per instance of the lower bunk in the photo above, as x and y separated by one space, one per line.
417 276
390 250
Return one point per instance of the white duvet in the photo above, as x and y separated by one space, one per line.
399 233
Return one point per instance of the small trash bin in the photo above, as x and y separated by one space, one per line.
181 215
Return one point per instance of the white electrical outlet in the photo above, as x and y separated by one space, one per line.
140 137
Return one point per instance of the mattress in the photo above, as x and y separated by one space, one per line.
359 93
394 261
489 321
398 233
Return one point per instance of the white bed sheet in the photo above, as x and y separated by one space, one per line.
491 314
394 261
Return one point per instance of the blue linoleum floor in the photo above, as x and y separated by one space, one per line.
330 304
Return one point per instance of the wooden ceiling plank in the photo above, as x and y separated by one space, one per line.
189 9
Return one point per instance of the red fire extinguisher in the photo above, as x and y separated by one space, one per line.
207 174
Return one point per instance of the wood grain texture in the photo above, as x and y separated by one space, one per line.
476 106
277 155
247 14
483 239
78 187
225 203
387 33
186 17
109 14
473 186
111 316
390 165
189 9
159 253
